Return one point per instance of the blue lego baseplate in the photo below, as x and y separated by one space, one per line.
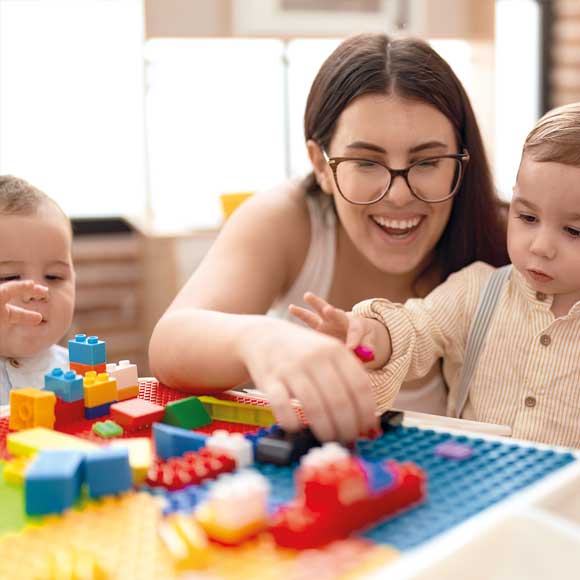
456 490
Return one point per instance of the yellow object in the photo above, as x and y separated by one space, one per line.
237 412
127 392
206 518
31 408
15 470
33 440
230 201
140 455
72 564
185 541
99 389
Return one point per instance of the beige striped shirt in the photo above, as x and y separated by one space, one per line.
528 373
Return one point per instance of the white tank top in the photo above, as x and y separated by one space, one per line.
316 276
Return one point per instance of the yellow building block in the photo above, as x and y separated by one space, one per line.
33 440
185 542
15 470
128 392
31 408
221 410
140 455
99 389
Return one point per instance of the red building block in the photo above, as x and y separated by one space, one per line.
68 413
136 413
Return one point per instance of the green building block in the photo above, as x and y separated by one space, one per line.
107 429
13 517
238 412
186 413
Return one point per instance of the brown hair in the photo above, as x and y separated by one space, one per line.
556 137
410 68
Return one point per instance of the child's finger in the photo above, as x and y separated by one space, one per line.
21 288
17 315
315 302
308 317
335 315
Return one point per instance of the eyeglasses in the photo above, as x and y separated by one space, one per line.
364 181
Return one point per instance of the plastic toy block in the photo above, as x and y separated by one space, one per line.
174 441
185 541
224 410
15 470
126 374
191 469
87 350
140 456
186 413
31 408
391 420
12 505
233 444
136 413
68 413
453 450
108 471
66 385
38 439
236 508
107 429
82 369
335 497
53 481
71 564
96 412
283 448
99 389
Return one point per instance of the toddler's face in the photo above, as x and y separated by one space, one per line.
544 228
38 247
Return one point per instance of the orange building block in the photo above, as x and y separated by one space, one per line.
31 408
82 369
99 389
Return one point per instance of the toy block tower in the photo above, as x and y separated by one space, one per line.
87 354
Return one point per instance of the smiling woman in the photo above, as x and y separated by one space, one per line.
400 196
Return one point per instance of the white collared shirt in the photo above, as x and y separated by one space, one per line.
21 373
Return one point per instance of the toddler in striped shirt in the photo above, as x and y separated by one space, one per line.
521 368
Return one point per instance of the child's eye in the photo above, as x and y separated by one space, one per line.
9 278
574 232
52 277
527 218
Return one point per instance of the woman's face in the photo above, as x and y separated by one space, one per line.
397 234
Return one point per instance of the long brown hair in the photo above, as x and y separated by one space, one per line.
410 68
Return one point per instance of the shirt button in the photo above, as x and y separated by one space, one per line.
530 402
545 339
15 363
540 296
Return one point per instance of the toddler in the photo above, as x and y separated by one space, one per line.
527 374
37 285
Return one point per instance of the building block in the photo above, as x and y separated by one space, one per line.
140 456
185 541
31 408
15 470
186 413
99 389
283 448
82 369
87 350
53 481
125 372
236 507
68 413
107 429
96 412
225 410
108 471
174 441
233 444
136 413
37 439
67 385
190 469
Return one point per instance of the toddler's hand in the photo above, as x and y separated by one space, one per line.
20 290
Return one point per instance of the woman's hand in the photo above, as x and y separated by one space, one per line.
286 361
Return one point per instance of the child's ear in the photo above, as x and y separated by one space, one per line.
322 171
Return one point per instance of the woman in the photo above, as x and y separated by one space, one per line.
353 229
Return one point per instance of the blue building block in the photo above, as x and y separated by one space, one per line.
98 411
108 471
53 481
66 385
174 441
87 350
378 476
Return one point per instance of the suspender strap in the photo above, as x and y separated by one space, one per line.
477 332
